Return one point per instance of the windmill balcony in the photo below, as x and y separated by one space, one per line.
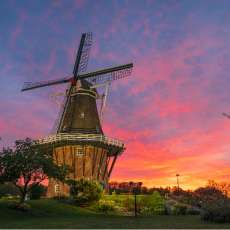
116 147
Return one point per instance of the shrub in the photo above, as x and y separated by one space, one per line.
10 197
36 191
105 206
179 209
8 189
85 192
149 211
193 211
153 204
128 203
218 211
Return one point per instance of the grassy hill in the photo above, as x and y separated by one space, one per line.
54 214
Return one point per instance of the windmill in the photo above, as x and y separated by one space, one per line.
78 140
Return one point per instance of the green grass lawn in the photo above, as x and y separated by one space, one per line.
53 214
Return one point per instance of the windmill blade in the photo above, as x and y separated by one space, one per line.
85 53
79 66
104 99
35 85
99 85
226 115
109 74
82 54
59 116
80 62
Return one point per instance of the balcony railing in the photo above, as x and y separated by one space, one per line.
80 137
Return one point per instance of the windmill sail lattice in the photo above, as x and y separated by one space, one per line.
85 53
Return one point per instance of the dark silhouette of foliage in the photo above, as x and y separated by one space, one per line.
27 165
37 191
8 189
224 187
218 211
205 195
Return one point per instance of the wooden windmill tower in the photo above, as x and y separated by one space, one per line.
79 141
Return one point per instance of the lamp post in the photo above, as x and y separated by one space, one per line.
135 191
177 176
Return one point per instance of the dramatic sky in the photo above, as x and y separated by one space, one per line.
168 112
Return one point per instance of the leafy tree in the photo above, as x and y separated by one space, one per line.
26 165
224 187
205 195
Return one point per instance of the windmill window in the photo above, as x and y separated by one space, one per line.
57 188
79 152
82 115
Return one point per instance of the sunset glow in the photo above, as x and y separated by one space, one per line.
168 112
